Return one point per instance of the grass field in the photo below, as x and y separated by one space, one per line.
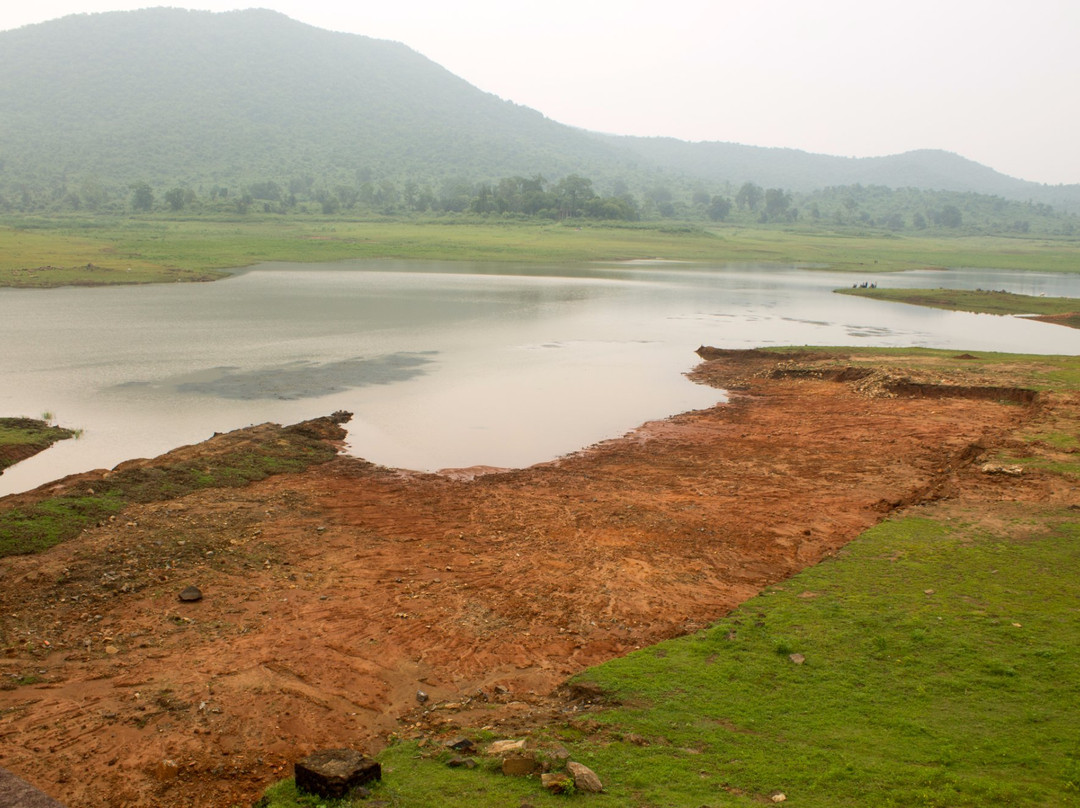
50 252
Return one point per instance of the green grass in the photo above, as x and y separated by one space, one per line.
33 434
951 698
941 669
987 302
156 248
38 526
1038 372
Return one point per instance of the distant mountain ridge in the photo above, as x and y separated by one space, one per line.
199 99
795 170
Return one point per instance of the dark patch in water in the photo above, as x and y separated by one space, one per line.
302 379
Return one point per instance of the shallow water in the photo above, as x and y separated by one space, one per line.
443 364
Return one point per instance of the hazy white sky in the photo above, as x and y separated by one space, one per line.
997 81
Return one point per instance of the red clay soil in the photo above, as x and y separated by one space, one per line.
333 596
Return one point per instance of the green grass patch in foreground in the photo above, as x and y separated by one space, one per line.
38 526
941 669
981 301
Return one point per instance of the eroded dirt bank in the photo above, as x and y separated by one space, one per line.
333 595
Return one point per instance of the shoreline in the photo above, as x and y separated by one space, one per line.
502 585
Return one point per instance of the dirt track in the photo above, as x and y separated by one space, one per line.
334 595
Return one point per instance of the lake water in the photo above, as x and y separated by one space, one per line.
443 364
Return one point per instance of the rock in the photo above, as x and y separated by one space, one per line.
504 747
557 782
1010 470
585 779
520 765
779 796
191 594
421 696
798 659
333 773
166 770
560 754
461 744
111 649
15 791
458 762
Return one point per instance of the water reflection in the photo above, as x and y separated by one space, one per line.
299 379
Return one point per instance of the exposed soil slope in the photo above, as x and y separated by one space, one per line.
333 595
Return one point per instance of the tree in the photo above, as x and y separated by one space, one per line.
174 198
749 196
719 208
776 203
572 192
951 216
142 197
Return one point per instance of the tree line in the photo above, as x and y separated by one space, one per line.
572 197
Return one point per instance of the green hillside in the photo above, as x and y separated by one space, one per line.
250 107
93 103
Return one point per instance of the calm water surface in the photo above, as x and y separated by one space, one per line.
443 364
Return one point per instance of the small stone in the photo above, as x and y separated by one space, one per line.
458 762
333 773
557 782
520 765
585 779
503 747
779 796
191 594
111 649
798 659
461 744
421 696
166 770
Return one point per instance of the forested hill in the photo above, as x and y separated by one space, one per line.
254 104
795 170
170 96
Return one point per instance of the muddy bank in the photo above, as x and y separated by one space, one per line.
332 595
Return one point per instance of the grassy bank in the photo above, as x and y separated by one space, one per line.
982 301
21 438
233 459
84 250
